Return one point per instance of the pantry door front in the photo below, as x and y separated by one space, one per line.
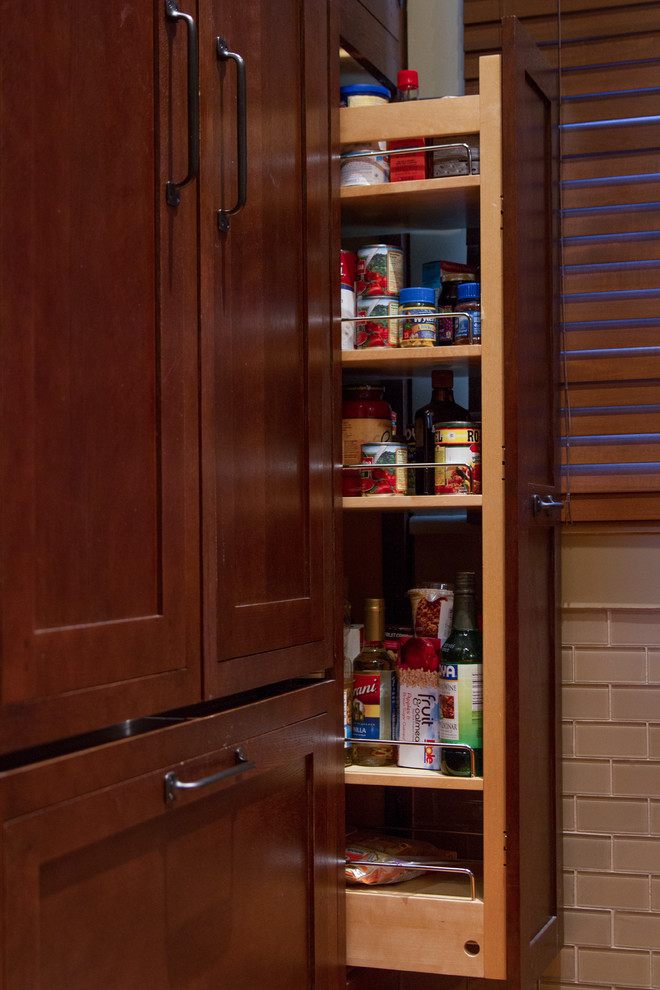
266 341
532 508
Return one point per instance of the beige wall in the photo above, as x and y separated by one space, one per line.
611 748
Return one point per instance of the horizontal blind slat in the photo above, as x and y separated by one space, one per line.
623 334
619 393
591 278
630 453
615 423
612 368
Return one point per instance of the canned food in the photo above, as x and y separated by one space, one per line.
385 480
348 325
348 268
379 270
377 331
358 169
457 458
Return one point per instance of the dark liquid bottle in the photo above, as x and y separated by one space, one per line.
441 409
461 684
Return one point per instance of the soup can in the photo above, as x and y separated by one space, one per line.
379 270
457 458
377 330
385 478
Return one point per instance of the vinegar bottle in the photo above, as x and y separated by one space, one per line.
374 692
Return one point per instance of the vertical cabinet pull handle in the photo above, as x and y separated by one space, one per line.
172 189
173 784
241 134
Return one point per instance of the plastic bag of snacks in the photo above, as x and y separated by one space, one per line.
378 859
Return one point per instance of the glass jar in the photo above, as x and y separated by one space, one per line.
366 418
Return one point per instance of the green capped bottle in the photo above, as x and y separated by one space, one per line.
461 684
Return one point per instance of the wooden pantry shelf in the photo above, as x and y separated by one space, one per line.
411 361
451 202
408 777
448 116
387 503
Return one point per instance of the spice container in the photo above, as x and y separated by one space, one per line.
407 167
468 300
417 304
366 418
455 160
363 95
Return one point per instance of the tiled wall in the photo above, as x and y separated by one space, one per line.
611 746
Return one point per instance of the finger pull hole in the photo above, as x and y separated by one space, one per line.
472 948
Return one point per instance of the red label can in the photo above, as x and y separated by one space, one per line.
458 458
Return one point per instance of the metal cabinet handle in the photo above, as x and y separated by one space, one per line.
173 784
544 503
172 189
241 134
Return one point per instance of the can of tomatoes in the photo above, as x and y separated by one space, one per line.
384 477
379 270
457 458
378 329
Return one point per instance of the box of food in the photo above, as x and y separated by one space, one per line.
418 675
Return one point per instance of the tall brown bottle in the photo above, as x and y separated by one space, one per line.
441 409
374 692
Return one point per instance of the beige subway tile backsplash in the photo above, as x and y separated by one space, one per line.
587 852
582 701
608 665
637 627
636 930
608 890
588 627
642 703
616 967
587 927
636 779
654 741
586 777
636 855
612 815
654 666
610 739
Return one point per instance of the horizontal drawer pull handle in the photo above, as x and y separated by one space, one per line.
173 784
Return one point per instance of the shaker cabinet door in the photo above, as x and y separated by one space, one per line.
266 352
228 885
532 524
99 522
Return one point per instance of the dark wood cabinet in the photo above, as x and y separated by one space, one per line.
100 521
107 883
167 415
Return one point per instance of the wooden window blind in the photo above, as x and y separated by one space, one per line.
608 58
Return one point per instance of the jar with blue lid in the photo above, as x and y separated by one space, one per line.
468 300
417 304
364 95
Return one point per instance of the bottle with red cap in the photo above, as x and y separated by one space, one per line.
413 166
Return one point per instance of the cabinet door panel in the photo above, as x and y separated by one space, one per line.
531 432
99 377
225 886
267 333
